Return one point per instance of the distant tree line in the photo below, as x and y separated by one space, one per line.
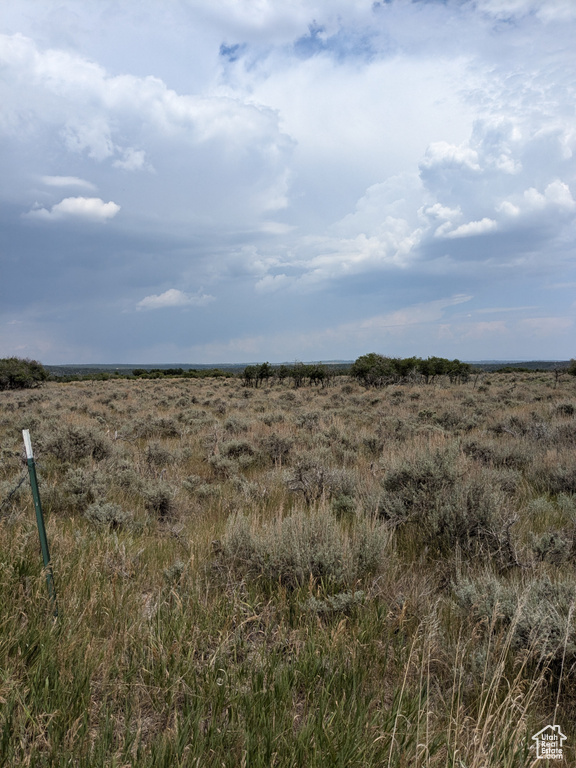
181 373
374 370
371 370
144 373
300 374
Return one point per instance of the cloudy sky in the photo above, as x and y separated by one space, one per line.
212 181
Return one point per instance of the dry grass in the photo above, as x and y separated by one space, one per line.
280 577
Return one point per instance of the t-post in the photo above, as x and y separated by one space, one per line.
40 520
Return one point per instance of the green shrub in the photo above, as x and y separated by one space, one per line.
278 448
417 486
82 487
551 546
191 483
338 604
19 373
560 478
437 510
567 504
300 548
107 515
125 476
207 491
236 426
540 508
74 443
539 616
234 449
343 505
162 426
504 456
313 479
159 498
222 466
158 456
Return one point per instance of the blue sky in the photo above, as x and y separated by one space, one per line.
239 180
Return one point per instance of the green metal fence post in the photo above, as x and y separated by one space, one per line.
40 520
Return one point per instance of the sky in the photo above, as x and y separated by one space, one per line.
211 181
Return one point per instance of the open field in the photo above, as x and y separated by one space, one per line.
273 576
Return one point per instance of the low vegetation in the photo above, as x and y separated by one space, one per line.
267 571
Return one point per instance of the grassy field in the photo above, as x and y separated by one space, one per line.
290 577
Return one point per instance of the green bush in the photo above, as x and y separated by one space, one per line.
19 373
234 449
159 498
73 443
107 515
158 456
434 508
551 546
539 615
277 447
302 548
416 487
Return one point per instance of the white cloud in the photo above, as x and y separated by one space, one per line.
441 154
133 160
554 205
556 195
67 181
86 208
174 298
330 258
474 228
93 136
220 156
551 10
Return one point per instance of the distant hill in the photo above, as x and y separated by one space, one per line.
527 365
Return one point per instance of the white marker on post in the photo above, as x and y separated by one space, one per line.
27 444
40 519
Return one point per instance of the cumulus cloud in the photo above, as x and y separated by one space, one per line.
364 152
441 155
220 155
81 208
474 228
173 297
556 195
